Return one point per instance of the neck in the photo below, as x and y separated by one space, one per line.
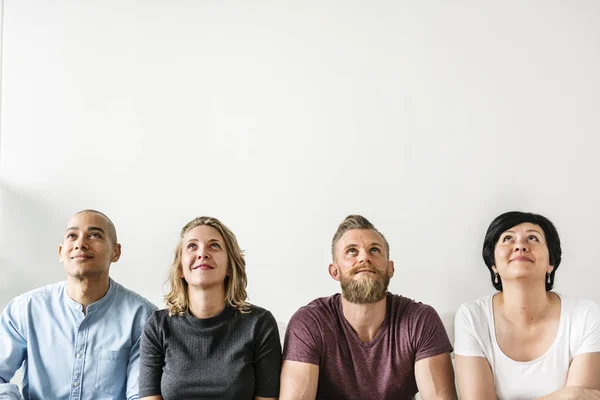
206 302
520 302
87 290
365 319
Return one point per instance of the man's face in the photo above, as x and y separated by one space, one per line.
87 249
362 266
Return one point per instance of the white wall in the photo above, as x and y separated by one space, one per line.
282 117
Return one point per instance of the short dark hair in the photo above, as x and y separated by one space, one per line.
355 221
510 219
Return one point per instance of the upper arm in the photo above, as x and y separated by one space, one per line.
435 377
299 381
584 371
133 367
302 355
268 357
584 367
151 358
13 348
475 378
151 398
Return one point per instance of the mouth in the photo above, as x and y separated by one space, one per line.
368 271
523 259
202 267
81 257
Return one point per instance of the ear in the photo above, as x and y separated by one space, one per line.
60 257
334 271
116 252
494 269
550 269
391 268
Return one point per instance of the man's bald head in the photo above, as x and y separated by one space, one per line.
112 231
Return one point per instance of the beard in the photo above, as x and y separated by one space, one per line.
369 289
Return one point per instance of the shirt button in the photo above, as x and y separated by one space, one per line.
75 383
78 355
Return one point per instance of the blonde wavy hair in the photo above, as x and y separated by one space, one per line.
235 283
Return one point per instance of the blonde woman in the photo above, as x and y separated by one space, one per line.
209 343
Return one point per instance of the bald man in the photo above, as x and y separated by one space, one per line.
78 339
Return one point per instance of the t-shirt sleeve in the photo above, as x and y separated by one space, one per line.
152 357
302 340
466 339
268 357
430 336
590 339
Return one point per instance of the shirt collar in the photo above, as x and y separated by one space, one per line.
95 305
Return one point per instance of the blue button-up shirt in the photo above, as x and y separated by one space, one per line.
69 355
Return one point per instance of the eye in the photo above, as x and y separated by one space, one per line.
216 246
375 250
95 235
71 236
191 246
506 238
352 251
533 238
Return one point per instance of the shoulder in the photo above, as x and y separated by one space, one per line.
321 310
257 316
157 320
581 310
573 303
160 316
474 316
44 295
476 309
406 309
129 298
259 312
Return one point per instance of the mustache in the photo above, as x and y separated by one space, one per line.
364 267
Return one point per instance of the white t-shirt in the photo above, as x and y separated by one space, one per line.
578 333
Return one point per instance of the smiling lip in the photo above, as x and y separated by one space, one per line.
522 258
203 267
81 257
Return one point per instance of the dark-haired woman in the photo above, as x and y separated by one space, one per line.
526 341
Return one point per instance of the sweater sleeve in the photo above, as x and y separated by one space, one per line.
152 356
267 363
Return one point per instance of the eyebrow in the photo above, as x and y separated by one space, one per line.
91 228
209 240
355 245
528 230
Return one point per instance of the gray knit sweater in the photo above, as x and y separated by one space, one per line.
229 356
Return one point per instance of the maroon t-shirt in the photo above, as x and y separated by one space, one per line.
382 369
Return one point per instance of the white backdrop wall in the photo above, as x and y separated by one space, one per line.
282 117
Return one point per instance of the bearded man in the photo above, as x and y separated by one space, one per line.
365 343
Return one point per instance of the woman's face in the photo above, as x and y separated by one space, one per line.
204 258
521 253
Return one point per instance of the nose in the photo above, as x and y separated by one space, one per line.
520 245
202 253
364 256
81 243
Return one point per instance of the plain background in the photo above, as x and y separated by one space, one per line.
281 117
